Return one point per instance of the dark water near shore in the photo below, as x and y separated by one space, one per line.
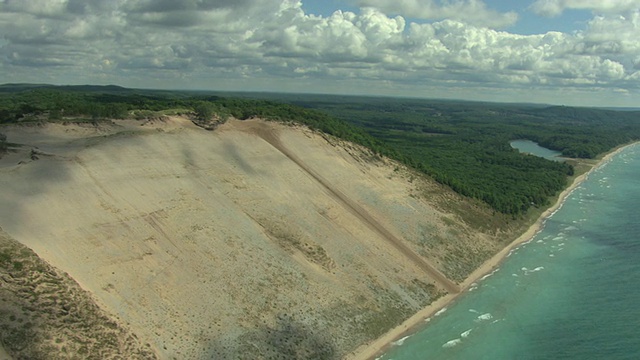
572 292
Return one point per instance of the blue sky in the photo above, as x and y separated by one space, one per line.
572 52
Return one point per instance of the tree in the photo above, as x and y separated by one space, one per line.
204 110
3 143
6 116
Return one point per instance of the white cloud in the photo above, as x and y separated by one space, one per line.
556 7
45 8
341 37
220 44
469 11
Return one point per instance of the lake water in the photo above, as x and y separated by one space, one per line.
530 147
572 292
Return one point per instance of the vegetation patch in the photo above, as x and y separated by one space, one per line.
45 315
292 241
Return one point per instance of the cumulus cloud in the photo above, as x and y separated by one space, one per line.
221 43
341 37
473 12
556 7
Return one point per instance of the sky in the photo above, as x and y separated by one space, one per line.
567 52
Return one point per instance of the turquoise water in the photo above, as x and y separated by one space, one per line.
530 147
572 292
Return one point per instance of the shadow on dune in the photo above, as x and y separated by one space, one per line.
289 339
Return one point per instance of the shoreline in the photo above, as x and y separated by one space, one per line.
380 345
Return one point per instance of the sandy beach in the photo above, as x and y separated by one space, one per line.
380 345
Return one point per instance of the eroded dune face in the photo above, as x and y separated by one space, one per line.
235 242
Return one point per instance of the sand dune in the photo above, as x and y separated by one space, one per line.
220 244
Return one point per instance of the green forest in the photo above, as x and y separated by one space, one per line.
464 145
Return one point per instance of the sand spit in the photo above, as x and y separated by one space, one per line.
224 244
375 348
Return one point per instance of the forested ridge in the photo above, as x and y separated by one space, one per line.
464 145
80 105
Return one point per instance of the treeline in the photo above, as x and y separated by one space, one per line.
465 145
316 120
460 144
55 104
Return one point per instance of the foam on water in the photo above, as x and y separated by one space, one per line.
451 343
465 334
485 317
440 312
527 271
401 341
489 274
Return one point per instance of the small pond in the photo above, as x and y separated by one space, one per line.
530 147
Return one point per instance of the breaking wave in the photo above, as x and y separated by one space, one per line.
401 341
440 312
451 343
484 317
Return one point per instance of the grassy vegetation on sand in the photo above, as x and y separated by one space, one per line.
43 312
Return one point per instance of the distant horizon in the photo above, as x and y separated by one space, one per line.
619 108
554 52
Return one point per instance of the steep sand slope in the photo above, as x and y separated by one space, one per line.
220 244
272 136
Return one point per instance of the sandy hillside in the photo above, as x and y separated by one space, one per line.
250 241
